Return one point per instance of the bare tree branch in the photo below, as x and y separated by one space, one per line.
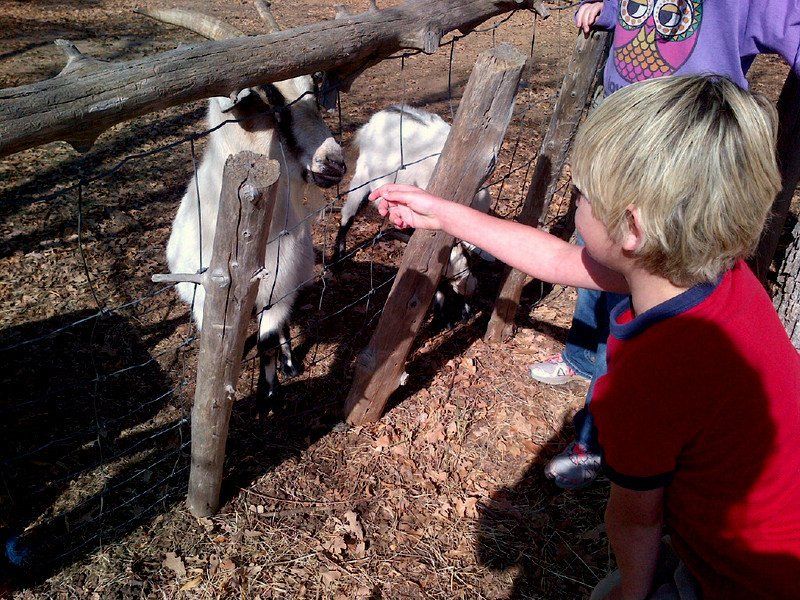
90 96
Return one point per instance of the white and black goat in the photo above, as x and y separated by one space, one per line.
283 122
379 162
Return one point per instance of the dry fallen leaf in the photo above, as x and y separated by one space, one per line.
206 523
213 564
353 526
192 583
435 435
336 546
175 563
328 577
521 424
383 442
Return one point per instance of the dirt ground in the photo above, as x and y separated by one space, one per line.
442 498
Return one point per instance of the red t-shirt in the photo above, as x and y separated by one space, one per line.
702 397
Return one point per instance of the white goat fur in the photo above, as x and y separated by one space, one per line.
289 258
424 134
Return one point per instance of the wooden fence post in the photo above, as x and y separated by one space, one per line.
466 161
787 295
231 283
576 91
789 163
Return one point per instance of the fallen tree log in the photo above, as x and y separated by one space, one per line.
91 95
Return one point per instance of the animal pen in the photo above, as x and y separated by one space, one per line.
148 425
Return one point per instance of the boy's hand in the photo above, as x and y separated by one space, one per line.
409 206
587 15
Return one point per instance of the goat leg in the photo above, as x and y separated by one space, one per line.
348 217
267 390
287 364
449 308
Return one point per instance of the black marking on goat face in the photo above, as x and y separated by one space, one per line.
284 118
251 109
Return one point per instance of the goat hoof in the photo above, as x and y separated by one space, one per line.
290 370
336 263
466 311
266 400
451 314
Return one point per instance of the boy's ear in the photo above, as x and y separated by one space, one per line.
634 234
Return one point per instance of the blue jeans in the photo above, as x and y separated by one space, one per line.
585 350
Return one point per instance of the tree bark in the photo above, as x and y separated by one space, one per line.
787 296
788 152
90 95
231 285
466 161
576 90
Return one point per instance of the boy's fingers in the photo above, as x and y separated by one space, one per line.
392 187
399 196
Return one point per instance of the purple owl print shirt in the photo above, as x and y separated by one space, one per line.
654 38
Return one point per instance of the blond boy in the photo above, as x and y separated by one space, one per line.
699 413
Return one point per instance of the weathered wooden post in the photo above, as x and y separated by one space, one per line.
576 91
466 161
231 283
789 163
787 295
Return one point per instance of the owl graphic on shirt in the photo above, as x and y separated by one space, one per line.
654 38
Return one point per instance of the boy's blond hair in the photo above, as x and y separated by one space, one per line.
696 156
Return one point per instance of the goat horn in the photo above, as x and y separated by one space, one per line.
207 26
265 12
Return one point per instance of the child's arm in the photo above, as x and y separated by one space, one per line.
587 14
597 14
773 26
633 525
539 254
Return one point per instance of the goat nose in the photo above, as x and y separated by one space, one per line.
327 173
333 166
330 161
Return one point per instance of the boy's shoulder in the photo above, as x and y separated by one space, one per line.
725 359
733 313
715 343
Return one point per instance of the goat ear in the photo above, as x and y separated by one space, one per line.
227 104
326 90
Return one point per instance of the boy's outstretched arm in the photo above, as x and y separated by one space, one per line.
539 254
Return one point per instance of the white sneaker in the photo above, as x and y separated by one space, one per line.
575 467
554 370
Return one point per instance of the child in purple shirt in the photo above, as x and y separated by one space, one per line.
656 38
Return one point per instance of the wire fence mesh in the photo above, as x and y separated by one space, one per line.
97 393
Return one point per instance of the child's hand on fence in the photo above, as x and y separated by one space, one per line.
409 206
587 15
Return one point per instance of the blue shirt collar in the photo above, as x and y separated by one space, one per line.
671 308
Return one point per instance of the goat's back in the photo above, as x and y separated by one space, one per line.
424 135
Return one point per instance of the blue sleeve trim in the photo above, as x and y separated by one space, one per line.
637 484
